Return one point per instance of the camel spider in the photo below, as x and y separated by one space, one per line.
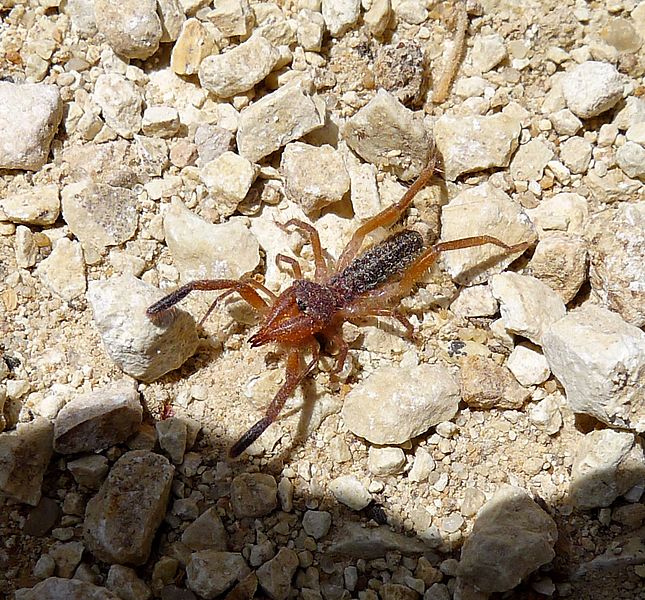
309 313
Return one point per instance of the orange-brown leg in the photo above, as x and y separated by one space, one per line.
386 217
314 238
295 373
244 288
371 307
251 282
292 262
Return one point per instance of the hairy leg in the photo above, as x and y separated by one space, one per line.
386 217
295 373
372 307
244 288
319 257
292 262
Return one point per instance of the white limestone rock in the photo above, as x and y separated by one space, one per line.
607 464
315 176
348 490
385 461
228 178
194 44
29 117
278 118
232 17
120 101
410 400
528 365
39 205
63 271
631 159
99 215
340 15
475 143
160 121
483 210
565 211
239 69
141 348
616 239
475 301
390 136
529 161
592 88
99 419
121 520
203 250
600 361
24 456
131 27
560 261
172 17
528 306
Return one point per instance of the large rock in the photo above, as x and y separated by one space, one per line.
482 210
24 456
98 419
600 361
29 117
474 143
511 538
142 349
132 27
55 588
617 259
395 404
279 118
390 136
122 519
607 464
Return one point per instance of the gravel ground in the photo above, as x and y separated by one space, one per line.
507 426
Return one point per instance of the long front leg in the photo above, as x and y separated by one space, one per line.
295 373
244 288
386 217
314 238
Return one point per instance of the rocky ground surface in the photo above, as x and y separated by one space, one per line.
496 453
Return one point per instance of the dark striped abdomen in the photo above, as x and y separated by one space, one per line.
381 262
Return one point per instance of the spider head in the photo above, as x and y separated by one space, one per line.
302 310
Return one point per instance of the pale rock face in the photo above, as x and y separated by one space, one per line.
29 118
63 271
239 69
194 44
528 306
132 28
278 118
483 210
120 101
474 143
600 361
512 525
607 464
617 260
122 518
340 15
314 176
410 401
203 250
387 134
39 205
592 88
141 348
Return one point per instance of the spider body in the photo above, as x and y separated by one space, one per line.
310 312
